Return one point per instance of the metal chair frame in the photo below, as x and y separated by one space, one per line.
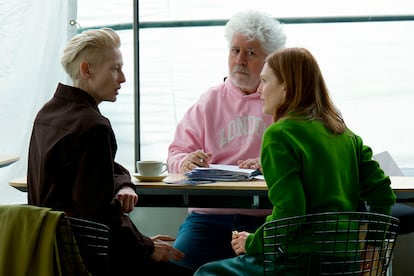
330 243
83 247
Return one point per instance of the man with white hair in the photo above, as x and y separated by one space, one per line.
225 126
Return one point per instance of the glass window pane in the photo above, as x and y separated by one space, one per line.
366 66
163 10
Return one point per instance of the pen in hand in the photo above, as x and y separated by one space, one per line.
197 158
202 158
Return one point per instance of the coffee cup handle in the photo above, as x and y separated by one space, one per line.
164 168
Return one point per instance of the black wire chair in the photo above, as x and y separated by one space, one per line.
83 247
332 243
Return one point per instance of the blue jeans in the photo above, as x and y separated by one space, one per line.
204 238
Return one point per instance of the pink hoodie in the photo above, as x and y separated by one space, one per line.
227 123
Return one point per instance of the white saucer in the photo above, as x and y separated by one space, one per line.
156 178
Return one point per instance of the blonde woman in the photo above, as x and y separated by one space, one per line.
71 164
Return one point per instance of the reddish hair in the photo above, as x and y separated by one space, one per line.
306 91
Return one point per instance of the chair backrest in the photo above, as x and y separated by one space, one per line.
83 247
331 243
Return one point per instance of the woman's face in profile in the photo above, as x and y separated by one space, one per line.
105 79
271 91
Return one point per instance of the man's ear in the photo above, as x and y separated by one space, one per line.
85 70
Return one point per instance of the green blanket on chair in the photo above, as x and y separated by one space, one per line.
27 240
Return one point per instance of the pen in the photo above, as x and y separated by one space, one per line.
255 173
202 159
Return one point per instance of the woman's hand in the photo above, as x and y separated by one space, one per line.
127 198
238 242
163 251
370 258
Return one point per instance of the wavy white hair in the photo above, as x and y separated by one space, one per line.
257 25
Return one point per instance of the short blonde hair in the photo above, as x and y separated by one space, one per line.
88 47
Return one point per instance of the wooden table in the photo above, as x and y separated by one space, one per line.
249 194
7 159
246 194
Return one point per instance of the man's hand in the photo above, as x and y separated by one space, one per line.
253 163
197 158
127 198
163 251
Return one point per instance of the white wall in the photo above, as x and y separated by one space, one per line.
33 35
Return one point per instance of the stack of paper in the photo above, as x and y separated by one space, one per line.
217 172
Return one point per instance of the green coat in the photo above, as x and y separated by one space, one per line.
308 170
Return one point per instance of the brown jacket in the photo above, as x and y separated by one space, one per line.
71 168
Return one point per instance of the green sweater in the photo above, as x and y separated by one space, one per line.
309 170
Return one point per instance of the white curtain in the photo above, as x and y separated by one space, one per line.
33 35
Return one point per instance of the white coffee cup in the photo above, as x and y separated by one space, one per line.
151 168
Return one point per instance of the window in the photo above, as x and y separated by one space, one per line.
365 64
